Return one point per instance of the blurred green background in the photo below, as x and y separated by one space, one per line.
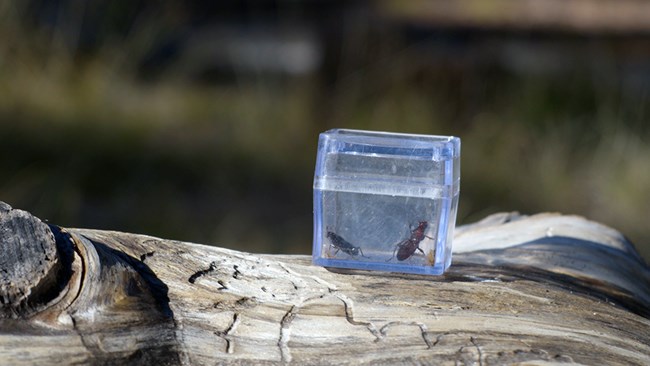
198 121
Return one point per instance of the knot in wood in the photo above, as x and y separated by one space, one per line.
29 263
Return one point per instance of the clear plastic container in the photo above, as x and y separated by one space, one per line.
385 201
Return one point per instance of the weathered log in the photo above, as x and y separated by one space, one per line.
540 289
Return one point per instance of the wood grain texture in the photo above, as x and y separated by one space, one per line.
544 289
32 269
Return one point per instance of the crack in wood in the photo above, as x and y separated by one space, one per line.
83 267
478 348
237 273
285 334
438 339
239 305
349 316
246 302
285 327
226 333
423 331
292 274
203 272
330 287
144 256
460 358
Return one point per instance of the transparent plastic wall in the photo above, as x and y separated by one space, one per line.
385 201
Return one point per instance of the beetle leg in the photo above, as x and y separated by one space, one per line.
361 251
397 246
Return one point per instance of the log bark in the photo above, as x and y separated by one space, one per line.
541 289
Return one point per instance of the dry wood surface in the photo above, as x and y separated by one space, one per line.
541 289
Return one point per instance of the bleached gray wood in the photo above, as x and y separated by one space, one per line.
544 289
30 267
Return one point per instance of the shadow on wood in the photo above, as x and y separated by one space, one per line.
543 289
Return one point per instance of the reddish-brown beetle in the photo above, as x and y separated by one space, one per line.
406 248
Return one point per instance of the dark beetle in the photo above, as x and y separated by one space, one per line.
343 245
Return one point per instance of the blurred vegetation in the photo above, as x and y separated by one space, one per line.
102 126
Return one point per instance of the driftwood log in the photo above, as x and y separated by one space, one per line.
542 289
